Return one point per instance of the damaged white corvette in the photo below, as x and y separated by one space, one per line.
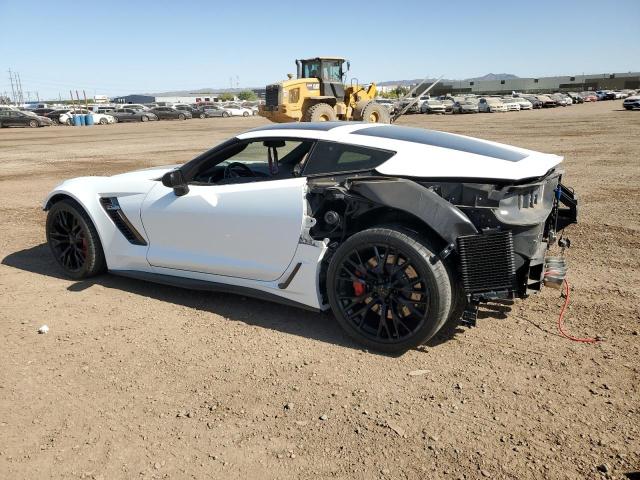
397 230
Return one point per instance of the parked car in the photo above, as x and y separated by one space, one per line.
534 100
195 113
632 103
131 115
17 118
575 97
98 118
547 101
274 234
511 104
42 111
605 95
464 106
132 106
237 111
491 105
448 105
54 116
433 106
561 99
170 113
523 102
215 111
390 104
589 96
414 108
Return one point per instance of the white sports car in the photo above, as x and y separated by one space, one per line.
394 229
98 118
236 111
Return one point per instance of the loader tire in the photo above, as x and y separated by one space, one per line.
320 112
375 113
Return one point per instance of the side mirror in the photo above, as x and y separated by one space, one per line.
174 179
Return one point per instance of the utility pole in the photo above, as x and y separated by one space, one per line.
21 94
13 91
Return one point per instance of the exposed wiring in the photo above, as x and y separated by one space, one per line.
561 319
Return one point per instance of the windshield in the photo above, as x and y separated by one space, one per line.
326 69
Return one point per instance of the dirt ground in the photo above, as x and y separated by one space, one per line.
143 381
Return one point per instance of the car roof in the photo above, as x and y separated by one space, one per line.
420 152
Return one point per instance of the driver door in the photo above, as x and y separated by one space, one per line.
248 229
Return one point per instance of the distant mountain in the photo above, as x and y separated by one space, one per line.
181 93
488 76
494 76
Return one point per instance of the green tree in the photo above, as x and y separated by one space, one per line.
247 95
226 97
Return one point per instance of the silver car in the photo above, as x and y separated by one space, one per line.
215 111
464 106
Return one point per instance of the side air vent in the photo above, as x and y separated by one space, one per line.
112 207
487 262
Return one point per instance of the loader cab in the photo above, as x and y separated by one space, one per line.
330 72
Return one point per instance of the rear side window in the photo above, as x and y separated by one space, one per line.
329 157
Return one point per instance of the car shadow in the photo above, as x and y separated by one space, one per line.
274 316
497 310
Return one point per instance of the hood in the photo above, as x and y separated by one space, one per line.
152 173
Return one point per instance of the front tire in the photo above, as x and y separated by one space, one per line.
245 114
320 112
225 115
74 241
202 115
386 291
182 117
375 113
144 118
104 121
34 123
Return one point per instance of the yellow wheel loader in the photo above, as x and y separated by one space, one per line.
319 94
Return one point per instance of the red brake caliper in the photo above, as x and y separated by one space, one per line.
358 288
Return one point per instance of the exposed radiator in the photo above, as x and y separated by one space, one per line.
487 262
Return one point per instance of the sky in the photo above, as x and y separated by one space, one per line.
138 46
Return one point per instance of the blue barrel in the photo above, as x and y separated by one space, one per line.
78 120
88 119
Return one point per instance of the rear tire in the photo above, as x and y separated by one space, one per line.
320 112
245 114
375 113
387 289
74 241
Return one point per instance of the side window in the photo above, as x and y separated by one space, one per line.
330 157
259 159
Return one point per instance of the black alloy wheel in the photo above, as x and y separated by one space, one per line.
386 292
73 240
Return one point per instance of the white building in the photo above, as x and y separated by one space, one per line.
189 98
